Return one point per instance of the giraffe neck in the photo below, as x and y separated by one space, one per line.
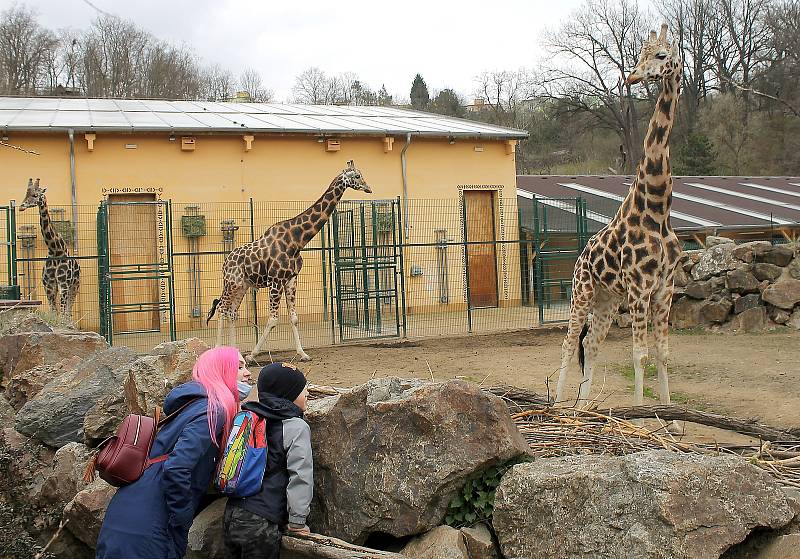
320 211
55 242
651 191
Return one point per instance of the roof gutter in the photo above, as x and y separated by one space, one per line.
404 164
71 135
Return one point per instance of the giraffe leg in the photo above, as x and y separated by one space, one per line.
68 301
52 296
661 303
578 311
638 309
275 291
291 293
232 312
605 307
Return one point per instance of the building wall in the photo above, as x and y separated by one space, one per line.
282 175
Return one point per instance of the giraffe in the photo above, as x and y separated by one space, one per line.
635 255
61 274
274 261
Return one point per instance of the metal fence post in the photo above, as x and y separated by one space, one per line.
466 263
12 243
254 291
401 245
170 274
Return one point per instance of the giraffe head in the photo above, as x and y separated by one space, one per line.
34 195
658 59
352 178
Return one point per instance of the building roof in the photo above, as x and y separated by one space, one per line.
139 115
697 202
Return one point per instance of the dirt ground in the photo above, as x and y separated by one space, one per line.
744 375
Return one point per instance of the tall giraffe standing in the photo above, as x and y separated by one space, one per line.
61 274
274 261
636 253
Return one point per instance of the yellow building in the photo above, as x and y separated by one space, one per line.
184 182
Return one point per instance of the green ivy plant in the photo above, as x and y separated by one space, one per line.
475 502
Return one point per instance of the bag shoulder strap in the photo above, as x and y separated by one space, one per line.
161 421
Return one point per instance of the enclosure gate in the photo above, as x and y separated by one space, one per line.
10 288
560 229
366 265
134 261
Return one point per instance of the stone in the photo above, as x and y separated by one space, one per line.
410 445
766 272
712 241
784 294
747 252
749 301
704 289
206 533
22 351
25 322
778 316
786 546
750 320
85 513
715 261
22 386
65 545
443 542
741 281
681 278
55 415
794 320
148 380
6 411
794 268
686 313
716 310
479 543
65 478
647 505
780 255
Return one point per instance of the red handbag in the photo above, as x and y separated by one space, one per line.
122 459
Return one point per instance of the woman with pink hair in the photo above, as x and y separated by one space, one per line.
151 517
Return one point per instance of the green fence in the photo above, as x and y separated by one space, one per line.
378 269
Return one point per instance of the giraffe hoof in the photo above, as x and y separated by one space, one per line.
305 357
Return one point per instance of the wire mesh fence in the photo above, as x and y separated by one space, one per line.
150 269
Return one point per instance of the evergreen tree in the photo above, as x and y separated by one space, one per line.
383 96
419 94
448 103
696 156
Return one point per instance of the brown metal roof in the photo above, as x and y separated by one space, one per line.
698 202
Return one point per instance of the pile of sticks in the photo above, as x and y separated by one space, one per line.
567 431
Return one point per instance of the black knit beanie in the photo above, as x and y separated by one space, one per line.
283 380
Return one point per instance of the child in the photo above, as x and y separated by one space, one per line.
253 524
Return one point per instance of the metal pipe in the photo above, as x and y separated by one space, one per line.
71 134
406 219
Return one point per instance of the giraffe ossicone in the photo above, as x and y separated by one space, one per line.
634 257
61 274
273 261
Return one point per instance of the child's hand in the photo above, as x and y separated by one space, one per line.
298 530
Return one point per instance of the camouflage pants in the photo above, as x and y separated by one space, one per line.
249 536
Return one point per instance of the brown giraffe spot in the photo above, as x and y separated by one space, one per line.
638 201
655 166
634 221
642 253
665 105
650 223
650 267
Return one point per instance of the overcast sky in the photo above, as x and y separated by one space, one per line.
449 43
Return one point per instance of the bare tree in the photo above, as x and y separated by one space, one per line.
505 95
217 84
250 81
591 54
25 48
314 87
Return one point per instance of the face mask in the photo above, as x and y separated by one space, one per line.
243 388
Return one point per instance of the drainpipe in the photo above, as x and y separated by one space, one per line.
406 220
71 134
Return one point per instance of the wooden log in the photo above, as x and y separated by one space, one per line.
750 427
519 396
316 546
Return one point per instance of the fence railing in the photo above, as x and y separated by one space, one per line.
149 271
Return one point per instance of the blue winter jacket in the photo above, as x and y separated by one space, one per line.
150 518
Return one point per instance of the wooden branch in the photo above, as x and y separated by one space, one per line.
754 91
317 546
519 396
749 427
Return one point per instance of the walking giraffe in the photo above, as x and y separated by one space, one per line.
61 274
274 261
636 253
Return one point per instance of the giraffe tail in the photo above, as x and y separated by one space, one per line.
581 354
214 304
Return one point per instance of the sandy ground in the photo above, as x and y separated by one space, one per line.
744 375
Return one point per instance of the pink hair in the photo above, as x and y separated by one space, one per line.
217 371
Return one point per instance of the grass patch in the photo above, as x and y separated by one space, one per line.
629 373
693 331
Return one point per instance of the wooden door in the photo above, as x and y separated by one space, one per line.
133 251
481 258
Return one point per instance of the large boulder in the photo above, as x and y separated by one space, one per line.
750 320
147 380
748 252
206 533
705 288
794 268
712 241
390 455
479 542
681 278
23 351
55 415
84 514
715 261
443 542
766 272
794 319
741 281
716 310
686 313
65 478
24 385
779 255
653 504
749 301
784 294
